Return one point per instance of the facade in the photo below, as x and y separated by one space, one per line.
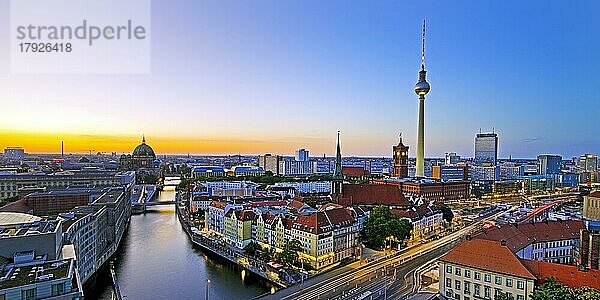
590 234
538 183
10 184
486 149
238 227
296 168
507 187
486 173
400 160
270 163
447 173
23 232
481 269
549 164
307 187
96 230
509 171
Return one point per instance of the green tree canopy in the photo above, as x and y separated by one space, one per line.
383 224
554 290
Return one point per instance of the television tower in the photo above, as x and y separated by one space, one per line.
421 89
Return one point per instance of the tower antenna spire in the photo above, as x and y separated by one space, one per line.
423 50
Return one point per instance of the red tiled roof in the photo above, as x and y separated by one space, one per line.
372 194
568 275
487 255
354 171
595 194
245 215
296 204
324 221
519 236
19 206
329 206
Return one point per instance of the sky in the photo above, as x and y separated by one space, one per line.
253 77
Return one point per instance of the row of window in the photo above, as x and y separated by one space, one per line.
486 277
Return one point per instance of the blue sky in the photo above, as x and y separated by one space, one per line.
289 74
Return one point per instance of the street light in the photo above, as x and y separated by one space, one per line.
207 282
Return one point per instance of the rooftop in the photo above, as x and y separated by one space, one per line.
23 275
567 275
519 236
12 218
487 255
373 194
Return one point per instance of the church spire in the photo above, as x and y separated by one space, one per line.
337 173
143 138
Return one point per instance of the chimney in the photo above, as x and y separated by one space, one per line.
503 243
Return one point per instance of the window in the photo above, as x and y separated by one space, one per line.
448 269
457 285
487 292
28 294
498 279
2 296
520 297
467 287
520 284
509 282
487 278
477 276
457 271
468 273
449 282
476 290
58 289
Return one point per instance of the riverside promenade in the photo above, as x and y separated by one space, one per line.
225 251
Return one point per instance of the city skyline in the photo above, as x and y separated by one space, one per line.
303 81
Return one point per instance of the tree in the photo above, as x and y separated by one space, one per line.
554 290
382 224
289 255
251 249
447 213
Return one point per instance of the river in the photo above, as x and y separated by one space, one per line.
158 261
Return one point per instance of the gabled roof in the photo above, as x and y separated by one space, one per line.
354 171
566 274
324 221
519 236
487 255
372 194
595 194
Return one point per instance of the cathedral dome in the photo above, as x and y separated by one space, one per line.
143 150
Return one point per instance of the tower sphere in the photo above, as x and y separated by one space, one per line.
422 88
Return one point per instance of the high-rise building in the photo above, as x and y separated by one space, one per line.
269 162
421 89
588 163
486 149
400 160
302 155
590 235
451 158
549 164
